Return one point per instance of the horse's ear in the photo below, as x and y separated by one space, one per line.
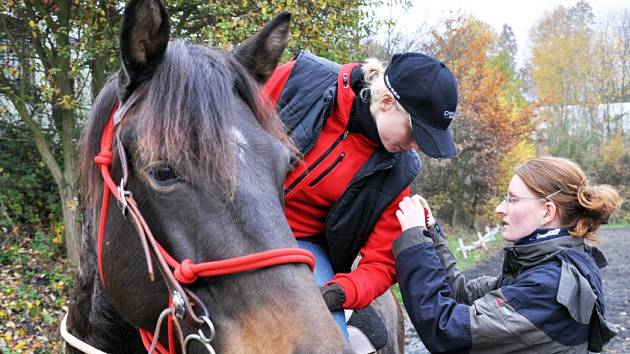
261 52
144 37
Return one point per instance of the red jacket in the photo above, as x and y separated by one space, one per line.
317 181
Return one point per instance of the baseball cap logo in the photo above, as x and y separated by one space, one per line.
389 86
449 114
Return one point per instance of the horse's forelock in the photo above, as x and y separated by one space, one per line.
184 118
186 113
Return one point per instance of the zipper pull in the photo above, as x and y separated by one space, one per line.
345 134
345 80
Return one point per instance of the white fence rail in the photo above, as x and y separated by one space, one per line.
481 242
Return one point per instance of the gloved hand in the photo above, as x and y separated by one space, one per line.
333 295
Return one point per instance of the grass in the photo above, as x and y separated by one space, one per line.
615 226
474 256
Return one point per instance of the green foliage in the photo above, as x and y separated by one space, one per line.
56 56
28 194
329 28
614 169
561 54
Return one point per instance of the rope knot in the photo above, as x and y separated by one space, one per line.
185 273
103 158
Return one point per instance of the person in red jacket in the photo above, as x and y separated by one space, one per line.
358 127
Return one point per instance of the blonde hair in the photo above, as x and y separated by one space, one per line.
583 207
374 78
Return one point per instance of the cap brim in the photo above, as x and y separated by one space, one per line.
436 143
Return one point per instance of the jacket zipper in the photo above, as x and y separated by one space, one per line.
317 162
327 170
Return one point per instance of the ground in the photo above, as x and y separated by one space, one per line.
615 243
34 286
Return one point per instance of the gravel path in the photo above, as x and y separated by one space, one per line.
615 243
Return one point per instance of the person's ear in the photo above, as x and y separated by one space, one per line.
386 102
550 212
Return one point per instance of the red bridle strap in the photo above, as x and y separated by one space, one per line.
104 161
185 272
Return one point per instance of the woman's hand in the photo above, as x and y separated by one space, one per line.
428 215
412 213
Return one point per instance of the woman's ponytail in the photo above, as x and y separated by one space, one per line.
597 205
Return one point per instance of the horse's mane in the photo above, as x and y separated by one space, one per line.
184 117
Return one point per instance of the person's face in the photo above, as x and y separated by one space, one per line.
394 126
522 211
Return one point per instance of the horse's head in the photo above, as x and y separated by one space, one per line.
206 162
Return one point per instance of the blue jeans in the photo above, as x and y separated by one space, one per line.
323 273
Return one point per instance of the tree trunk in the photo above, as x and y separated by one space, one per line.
455 217
72 224
4 215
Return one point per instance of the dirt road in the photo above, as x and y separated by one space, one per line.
615 243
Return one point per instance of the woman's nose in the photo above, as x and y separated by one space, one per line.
501 209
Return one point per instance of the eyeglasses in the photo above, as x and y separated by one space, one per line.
512 200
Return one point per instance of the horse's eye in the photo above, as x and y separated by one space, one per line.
163 173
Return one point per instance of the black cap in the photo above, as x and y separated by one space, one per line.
427 89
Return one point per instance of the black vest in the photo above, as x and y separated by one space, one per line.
307 100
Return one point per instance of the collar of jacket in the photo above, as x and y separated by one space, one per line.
361 120
539 247
542 234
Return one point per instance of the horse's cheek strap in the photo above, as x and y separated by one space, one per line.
104 160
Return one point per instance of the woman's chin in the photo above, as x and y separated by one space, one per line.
509 236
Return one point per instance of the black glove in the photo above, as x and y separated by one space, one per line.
334 296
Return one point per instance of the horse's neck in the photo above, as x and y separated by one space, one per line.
91 317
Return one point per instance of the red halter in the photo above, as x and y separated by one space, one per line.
185 272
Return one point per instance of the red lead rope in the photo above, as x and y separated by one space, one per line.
185 272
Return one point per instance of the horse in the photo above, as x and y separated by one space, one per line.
202 160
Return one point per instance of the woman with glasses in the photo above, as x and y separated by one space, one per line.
548 297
